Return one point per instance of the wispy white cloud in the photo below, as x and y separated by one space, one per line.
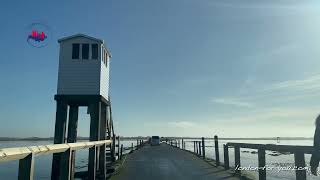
278 115
305 85
231 101
285 91
265 5
181 124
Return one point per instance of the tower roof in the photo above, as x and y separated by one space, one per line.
85 36
80 35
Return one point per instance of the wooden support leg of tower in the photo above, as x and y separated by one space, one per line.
26 168
59 136
95 114
72 134
103 131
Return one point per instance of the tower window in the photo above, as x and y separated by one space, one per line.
94 51
85 51
75 51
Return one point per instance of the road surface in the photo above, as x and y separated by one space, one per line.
168 163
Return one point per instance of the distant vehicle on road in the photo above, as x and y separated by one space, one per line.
155 140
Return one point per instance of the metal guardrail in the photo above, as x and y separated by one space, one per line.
26 155
298 152
199 148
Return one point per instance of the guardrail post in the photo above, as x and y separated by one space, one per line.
182 143
237 160
216 147
65 166
137 143
197 147
26 168
262 163
300 164
121 150
203 149
194 146
113 149
226 157
118 147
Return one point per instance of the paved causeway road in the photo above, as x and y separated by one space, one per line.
168 163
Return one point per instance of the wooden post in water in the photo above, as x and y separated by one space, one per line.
216 147
237 160
226 157
300 163
132 147
203 149
26 168
194 146
262 163
199 147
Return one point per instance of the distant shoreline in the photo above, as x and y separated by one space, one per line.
134 138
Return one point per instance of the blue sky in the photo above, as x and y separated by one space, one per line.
179 68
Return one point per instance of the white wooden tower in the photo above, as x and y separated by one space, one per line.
83 66
83 80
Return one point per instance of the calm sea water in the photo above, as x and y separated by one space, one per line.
9 170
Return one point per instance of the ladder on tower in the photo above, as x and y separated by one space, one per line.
110 149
